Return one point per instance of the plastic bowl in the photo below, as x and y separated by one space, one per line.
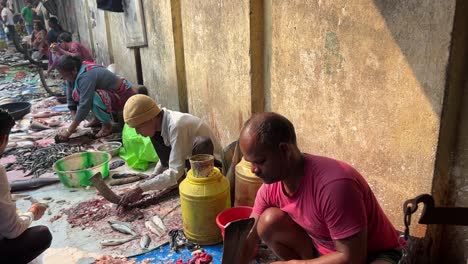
110 147
17 110
232 214
76 170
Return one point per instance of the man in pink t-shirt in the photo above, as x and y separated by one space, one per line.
311 208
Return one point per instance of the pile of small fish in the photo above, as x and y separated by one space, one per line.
13 85
12 59
156 226
39 160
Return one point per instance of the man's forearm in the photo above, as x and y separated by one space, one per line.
73 126
166 179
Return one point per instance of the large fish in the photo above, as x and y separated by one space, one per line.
159 222
145 242
122 228
153 228
116 241
120 223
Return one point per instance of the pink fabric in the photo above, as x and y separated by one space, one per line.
333 202
83 53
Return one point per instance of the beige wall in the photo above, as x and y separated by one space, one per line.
98 22
216 41
83 28
124 58
365 84
158 59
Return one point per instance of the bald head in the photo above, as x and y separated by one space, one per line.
269 129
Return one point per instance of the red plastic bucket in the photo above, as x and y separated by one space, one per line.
232 214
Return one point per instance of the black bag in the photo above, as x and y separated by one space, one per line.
110 5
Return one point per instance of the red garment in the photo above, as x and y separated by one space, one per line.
83 53
333 202
198 258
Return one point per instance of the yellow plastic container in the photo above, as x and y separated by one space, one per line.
247 184
201 200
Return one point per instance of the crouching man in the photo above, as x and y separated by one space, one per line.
311 209
175 136
19 243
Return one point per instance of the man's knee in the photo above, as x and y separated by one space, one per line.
202 145
270 221
44 236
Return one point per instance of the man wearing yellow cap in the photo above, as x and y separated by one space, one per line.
175 136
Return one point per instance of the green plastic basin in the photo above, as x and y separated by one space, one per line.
76 170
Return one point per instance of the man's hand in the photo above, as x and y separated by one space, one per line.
64 134
158 169
38 210
54 47
132 196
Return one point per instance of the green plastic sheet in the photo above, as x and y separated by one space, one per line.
137 151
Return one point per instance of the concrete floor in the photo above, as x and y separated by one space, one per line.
82 245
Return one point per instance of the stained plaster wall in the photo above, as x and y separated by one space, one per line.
83 28
99 24
124 58
363 81
216 44
76 22
158 58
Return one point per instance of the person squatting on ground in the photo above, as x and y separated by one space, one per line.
311 209
91 87
65 46
71 48
175 136
19 243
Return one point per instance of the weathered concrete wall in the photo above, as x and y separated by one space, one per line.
83 24
158 59
76 22
216 41
99 25
363 81
124 57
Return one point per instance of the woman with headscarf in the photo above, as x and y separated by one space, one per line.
38 35
91 87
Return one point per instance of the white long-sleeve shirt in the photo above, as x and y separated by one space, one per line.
179 130
11 224
7 16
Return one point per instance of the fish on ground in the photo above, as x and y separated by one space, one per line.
120 223
159 223
116 241
123 229
153 228
145 241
